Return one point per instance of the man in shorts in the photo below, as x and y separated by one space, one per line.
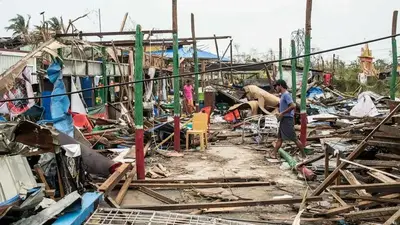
286 119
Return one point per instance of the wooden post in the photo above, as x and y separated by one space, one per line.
177 105
139 132
196 64
280 58
219 59
294 69
231 54
394 56
303 112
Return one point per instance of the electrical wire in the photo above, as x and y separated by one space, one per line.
208 71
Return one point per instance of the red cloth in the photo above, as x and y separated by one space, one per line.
327 79
81 121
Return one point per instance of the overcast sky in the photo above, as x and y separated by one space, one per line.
253 24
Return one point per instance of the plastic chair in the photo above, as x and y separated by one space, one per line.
200 127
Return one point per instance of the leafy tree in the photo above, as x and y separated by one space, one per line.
20 27
54 25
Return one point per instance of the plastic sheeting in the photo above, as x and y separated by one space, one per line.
364 107
76 101
60 104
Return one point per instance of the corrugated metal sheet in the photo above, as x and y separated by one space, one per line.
9 58
16 176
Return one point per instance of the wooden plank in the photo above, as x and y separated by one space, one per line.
387 156
340 200
381 177
370 168
390 130
393 219
378 186
353 181
375 199
363 204
223 204
113 180
308 161
388 144
371 213
208 180
201 185
359 149
125 187
157 195
379 163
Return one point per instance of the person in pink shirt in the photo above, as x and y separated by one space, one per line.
188 94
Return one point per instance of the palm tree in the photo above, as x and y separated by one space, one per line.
55 25
20 26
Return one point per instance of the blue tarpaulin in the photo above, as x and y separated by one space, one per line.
188 53
59 105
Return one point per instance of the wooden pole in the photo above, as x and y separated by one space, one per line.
303 112
196 64
294 69
177 105
219 59
231 55
280 58
394 56
123 22
139 132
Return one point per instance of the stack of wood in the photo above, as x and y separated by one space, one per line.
365 184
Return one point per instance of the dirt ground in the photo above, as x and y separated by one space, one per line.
229 159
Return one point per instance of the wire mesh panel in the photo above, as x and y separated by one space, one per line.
130 216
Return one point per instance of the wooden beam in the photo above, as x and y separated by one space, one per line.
360 148
363 204
381 177
125 187
208 180
42 178
371 213
339 199
200 185
223 204
379 163
157 195
113 180
393 219
353 181
378 186
374 199
370 168
311 160
387 156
